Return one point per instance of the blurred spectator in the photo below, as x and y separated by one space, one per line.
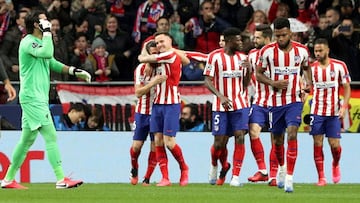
77 113
348 10
345 46
321 30
278 9
60 9
262 5
10 46
95 122
147 15
333 17
79 54
177 30
125 12
202 33
190 120
60 50
5 14
94 12
81 25
99 63
162 25
217 6
258 17
120 44
236 12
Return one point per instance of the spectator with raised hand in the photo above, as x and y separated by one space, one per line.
36 61
7 84
80 53
202 32
99 63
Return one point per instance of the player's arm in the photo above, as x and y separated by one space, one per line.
248 72
141 89
308 78
261 77
184 59
347 94
226 102
147 58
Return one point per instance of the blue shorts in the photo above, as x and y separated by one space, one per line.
224 123
283 116
328 125
165 119
142 127
259 115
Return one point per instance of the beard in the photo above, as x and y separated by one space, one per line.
186 124
284 45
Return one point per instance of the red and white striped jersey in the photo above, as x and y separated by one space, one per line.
228 78
197 56
170 65
285 66
327 82
144 103
263 92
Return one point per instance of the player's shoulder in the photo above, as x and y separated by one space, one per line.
253 51
216 51
299 45
337 62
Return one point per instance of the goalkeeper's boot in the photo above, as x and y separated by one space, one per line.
289 187
222 176
68 183
321 182
184 178
134 176
213 174
281 176
336 175
12 185
258 176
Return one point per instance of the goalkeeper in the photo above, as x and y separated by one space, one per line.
35 61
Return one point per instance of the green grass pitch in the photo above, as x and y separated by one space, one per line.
121 192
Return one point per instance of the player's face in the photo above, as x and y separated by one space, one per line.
259 40
235 43
321 52
163 43
283 37
222 41
153 50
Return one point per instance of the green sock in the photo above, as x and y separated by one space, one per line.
52 150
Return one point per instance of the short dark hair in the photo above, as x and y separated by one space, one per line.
321 41
193 109
280 23
265 29
150 44
231 32
81 107
31 18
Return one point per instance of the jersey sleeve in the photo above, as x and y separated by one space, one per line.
44 50
56 65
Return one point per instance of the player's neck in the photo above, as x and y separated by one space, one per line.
324 63
37 34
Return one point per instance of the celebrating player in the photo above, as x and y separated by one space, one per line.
144 90
35 62
164 122
285 59
327 76
224 76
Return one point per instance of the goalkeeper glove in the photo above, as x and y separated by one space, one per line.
44 25
79 73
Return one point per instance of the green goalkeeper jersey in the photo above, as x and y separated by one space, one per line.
35 62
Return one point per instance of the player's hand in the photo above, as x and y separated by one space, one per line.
44 25
79 73
225 102
281 84
159 79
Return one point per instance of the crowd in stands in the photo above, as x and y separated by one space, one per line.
117 28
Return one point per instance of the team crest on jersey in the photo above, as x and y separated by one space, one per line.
34 45
332 74
297 59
